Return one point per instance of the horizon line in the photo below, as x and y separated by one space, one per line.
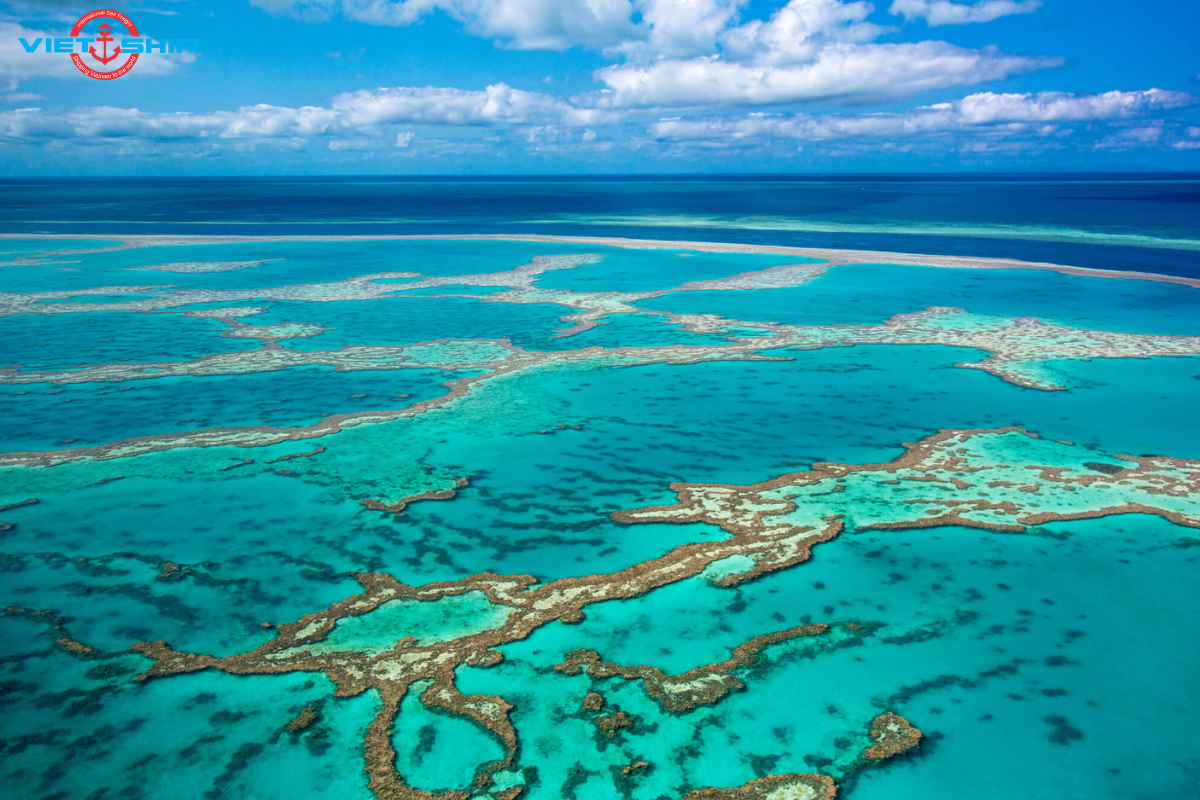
938 175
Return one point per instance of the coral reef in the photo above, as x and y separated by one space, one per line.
700 686
1017 478
773 787
891 735
772 526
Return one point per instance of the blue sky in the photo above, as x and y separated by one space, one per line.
610 86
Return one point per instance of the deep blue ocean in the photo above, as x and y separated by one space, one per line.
1106 221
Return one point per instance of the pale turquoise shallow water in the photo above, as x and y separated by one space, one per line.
1058 664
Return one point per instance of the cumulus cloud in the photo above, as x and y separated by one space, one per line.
988 107
680 28
797 31
840 70
686 52
643 28
983 113
384 119
945 12
364 112
806 50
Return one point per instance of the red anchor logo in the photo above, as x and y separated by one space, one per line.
105 38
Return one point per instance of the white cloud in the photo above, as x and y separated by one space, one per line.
363 112
642 29
1063 107
798 31
690 52
365 120
840 70
31 125
1132 137
945 12
985 113
680 28
807 50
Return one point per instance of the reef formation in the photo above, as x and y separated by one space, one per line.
1018 349
1019 479
1003 479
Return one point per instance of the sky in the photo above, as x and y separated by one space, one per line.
469 87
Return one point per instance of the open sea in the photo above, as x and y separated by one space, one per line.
334 517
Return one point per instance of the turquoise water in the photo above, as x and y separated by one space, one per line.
1068 650
439 620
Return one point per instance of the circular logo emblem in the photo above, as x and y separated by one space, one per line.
106 53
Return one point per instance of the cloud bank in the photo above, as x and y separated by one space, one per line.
682 77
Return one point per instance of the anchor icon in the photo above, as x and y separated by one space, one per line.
105 39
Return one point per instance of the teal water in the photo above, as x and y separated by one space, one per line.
618 330
1068 650
401 320
299 396
838 296
649 270
100 298
437 752
285 263
64 341
25 247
